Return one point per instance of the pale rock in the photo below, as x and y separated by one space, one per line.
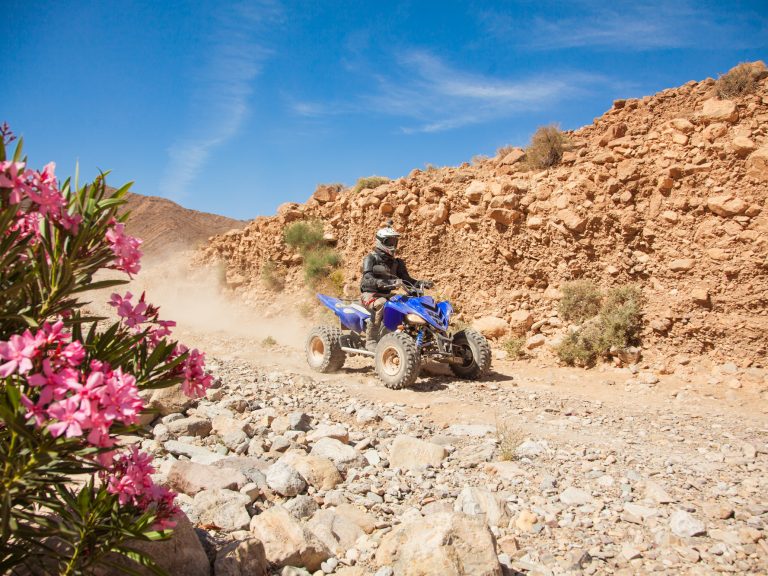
491 326
286 541
520 321
535 341
743 146
573 496
681 264
526 520
513 157
182 553
507 471
337 532
679 138
194 453
284 479
471 430
367 416
343 456
685 525
192 426
301 507
715 110
476 501
190 477
169 400
458 220
504 216
336 431
363 519
670 216
700 296
408 453
241 558
726 205
656 492
325 193
757 164
572 221
474 192
224 508
683 125
319 472
440 545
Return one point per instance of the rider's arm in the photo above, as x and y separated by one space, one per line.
402 272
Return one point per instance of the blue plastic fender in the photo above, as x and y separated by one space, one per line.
352 315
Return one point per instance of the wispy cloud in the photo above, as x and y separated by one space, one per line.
432 96
638 25
220 102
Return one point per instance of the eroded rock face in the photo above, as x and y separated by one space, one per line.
446 544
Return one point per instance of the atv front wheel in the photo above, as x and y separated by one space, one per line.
323 349
397 360
474 349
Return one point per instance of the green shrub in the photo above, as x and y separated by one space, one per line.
319 263
514 347
546 147
617 325
369 182
304 235
738 81
271 277
580 301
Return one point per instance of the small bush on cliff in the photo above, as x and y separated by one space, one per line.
74 488
320 263
271 277
546 148
369 182
514 347
616 325
304 235
738 81
581 300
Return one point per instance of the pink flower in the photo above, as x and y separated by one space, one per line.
131 315
69 417
125 248
18 353
196 380
36 411
13 176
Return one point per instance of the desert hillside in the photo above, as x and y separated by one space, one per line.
161 223
667 192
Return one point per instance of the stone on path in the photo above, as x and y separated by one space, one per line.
408 453
685 525
286 541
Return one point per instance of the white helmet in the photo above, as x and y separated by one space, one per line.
386 239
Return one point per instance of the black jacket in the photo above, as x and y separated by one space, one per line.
379 270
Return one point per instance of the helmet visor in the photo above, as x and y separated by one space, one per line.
390 241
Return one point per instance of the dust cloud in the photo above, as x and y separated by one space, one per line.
198 300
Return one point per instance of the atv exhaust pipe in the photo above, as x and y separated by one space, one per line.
358 351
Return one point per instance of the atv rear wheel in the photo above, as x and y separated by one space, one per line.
397 360
323 349
475 350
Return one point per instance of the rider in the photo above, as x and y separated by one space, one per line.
382 273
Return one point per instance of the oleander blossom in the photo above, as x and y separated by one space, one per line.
125 249
192 369
129 477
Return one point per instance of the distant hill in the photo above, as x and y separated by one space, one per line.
164 225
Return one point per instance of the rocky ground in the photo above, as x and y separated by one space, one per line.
539 470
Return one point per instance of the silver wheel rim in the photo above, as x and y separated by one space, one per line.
391 361
316 350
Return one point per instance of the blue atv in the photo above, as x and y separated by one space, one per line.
414 328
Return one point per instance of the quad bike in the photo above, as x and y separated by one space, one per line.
414 328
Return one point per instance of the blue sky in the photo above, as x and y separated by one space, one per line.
236 107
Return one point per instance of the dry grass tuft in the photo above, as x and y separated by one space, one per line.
509 438
546 148
739 80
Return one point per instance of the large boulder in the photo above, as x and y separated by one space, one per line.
242 558
715 110
169 400
325 193
475 191
222 508
491 326
191 477
520 321
408 453
443 544
286 542
182 553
